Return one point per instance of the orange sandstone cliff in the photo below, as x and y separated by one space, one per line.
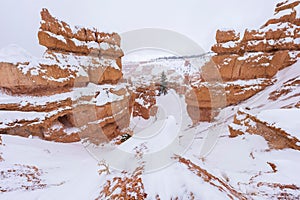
246 63
73 92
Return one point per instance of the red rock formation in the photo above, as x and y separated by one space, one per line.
58 35
199 101
31 77
245 122
226 36
96 52
127 186
73 92
145 101
240 61
221 185
288 90
267 49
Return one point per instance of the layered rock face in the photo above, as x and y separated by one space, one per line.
244 65
277 137
287 91
145 100
73 92
88 46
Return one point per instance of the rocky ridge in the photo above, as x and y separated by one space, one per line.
274 124
74 91
245 64
278 138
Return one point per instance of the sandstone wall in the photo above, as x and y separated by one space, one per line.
73 92
246 63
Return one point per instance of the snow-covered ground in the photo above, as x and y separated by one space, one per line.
67 169
244 163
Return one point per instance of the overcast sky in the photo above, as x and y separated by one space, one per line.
196 19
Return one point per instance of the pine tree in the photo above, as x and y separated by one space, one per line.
163 84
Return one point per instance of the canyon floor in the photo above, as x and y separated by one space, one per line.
243 167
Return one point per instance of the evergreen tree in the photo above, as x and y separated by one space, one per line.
163 84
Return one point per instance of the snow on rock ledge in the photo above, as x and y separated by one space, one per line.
72 92
279 127
22 73
276 39
258 55
55 34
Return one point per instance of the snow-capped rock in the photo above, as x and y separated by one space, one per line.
72 92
